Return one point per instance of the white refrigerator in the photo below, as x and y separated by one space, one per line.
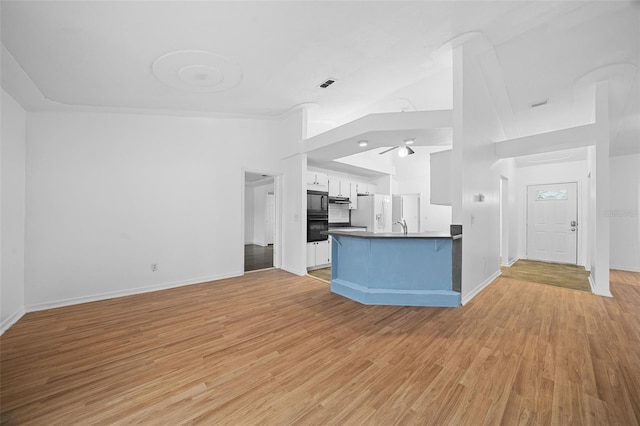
374 212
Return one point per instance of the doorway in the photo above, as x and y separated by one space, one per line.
260 221
552 222
406 207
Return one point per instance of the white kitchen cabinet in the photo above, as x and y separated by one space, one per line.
322 253
339 187
318 253
366 188
334 186
353 196
311 254
317 181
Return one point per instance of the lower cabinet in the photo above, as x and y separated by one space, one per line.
318 253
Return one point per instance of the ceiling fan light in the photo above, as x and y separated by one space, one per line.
404 151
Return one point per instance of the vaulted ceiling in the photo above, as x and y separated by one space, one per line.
266 57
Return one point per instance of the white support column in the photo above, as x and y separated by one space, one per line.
600 246
458 137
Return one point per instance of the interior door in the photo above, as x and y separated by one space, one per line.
552 222
396 212
411 212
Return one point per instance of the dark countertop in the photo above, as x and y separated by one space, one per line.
400 235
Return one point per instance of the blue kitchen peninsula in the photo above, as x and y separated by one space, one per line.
415 269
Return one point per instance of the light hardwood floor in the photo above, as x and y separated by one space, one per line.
273 348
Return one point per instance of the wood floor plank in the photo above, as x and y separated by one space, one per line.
274 348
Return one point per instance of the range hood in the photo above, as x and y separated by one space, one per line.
339 200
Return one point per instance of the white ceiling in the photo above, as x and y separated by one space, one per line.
385 56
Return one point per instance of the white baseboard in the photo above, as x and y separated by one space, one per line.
8 322
473 293
510 263
625 268
592 285
129 292
294 271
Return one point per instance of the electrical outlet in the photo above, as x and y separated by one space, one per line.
154 267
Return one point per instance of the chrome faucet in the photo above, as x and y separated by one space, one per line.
403 223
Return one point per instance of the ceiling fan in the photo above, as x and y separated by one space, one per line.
404 150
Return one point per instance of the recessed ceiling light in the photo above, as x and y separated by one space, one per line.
409 141
363 143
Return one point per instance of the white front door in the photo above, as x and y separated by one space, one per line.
552 222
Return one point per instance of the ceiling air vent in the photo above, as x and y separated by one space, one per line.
326 83
539 103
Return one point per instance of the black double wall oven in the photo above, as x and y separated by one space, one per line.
317 215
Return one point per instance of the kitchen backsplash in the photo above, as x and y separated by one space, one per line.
338 213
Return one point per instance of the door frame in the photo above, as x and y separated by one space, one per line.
581 223
504 221
277 237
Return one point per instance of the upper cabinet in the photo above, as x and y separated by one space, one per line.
365 188
353 197
339 187
317 181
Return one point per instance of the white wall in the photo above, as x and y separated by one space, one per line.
110 194
413 177
575 171
294 214
291 131
477 171
509 172
623 212
12 211
600 187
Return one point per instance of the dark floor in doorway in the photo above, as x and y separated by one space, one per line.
257 257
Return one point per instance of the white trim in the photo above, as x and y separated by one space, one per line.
510 263
592 285
7 323
129 292
260 270
473 293
625 268
295 272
